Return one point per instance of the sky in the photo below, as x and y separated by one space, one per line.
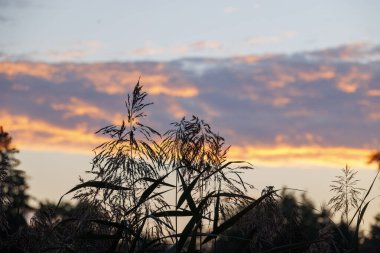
293 86
87 31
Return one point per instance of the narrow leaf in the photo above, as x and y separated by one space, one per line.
96 184
230 222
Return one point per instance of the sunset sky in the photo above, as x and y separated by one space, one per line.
293 86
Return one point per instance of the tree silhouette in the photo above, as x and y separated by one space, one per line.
7 161
371 244
13 196
375 158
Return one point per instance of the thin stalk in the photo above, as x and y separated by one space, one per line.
214 200
346 210
200 222
176 208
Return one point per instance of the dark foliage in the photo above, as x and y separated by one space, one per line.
13 196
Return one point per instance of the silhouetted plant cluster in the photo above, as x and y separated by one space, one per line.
176 192
13 197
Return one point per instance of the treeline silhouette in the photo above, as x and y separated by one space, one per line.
176 192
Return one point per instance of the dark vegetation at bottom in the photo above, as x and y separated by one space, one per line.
144 182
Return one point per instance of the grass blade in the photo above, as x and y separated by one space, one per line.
230 222
186 195
95 184
365 197
173 213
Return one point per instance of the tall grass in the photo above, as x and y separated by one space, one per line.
130 173
347 194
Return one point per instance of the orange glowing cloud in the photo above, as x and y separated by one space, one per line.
278 78
323 72
41 135
280 101
373 93
375 116
76 107
110 80
252 58
349 82
181 92
176 109
311 155
281 76
40 70
35 134
118 81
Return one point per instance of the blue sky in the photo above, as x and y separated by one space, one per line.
86 31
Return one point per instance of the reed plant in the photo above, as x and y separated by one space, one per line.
130 182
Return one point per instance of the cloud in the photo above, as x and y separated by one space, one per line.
32 133
230 9
37 134
280 77
252 59
179 48
373 93
359 52
273 39
182 92
148 51
324 72
349 82
118 81
176 109
311 155
105 79
281 101
40 70
296 103
371 109
76 107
